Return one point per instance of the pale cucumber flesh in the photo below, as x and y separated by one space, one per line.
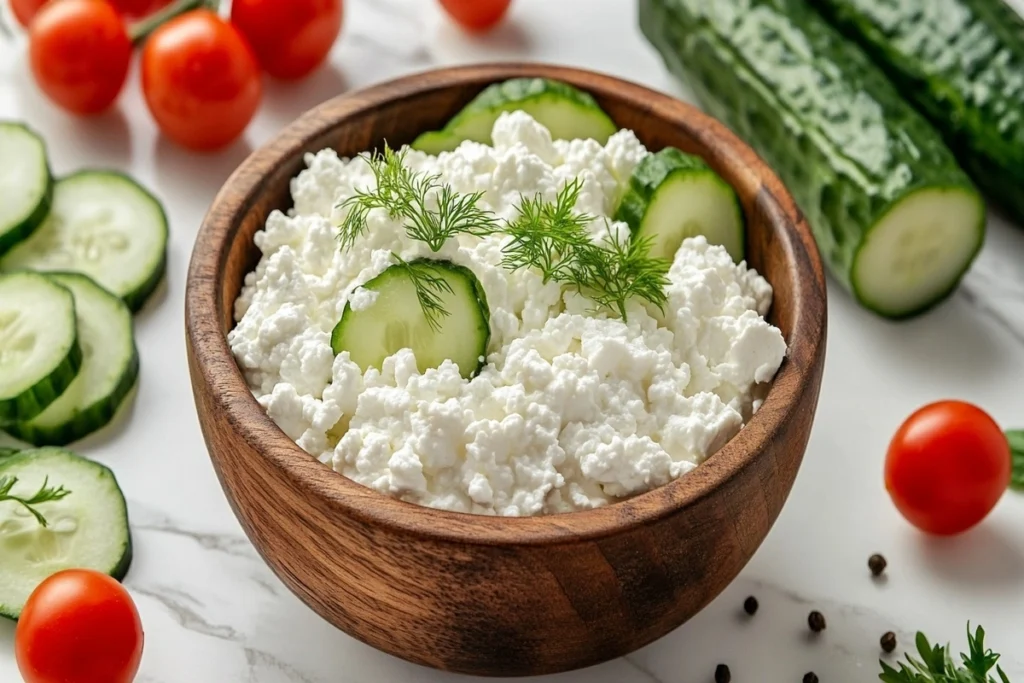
916 254
87 529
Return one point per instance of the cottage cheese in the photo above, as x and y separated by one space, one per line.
572 410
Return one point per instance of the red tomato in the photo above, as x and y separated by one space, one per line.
201 80
137 9
291 38
80 53
25 10
79 626
476 15
947 467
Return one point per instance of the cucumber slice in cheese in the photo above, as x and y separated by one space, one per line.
26 186
395 320
39 351
105 225
672 196
109 370
568 113
87 529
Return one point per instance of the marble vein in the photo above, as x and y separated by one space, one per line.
188 618
255 659
640 668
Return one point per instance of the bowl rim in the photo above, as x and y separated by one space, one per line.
214 364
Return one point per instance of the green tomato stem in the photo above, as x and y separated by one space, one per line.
141 30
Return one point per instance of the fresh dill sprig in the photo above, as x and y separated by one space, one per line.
45 494
937 666
550 236
616 269
553 238
433 211
430 287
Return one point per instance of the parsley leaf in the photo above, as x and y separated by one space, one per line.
936 665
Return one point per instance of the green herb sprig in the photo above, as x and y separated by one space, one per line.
430 287
936 664
1016 439
45 494
549 236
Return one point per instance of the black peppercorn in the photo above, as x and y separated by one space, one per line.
877 564
722 674
750 605
889 641
810 677
816 621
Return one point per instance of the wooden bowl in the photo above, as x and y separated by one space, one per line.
485 595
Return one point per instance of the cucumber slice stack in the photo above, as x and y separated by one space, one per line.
77 256
86 529
109 370
566 112
39 351
105 225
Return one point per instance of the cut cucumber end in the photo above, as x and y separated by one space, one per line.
396 321
105 225
916 254
26 185
87 529
39 351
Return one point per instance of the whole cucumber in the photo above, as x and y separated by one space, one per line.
961 62
894 216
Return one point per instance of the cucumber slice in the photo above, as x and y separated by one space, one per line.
566 112
437 141
26 186
87 529
395 320
109 369
39 351
918 251
673 196
105 225
6 452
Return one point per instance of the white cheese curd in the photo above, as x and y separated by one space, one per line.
572 410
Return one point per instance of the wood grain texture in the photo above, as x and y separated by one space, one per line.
487 595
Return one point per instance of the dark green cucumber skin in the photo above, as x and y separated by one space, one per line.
84 423
960 62
24 229
814 106
35 400
648 176
6 452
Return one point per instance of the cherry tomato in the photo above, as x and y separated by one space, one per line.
80 52
947 467
79 625
201 80
25 10
476 15
291 38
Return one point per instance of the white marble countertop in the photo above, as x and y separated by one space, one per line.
214 613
